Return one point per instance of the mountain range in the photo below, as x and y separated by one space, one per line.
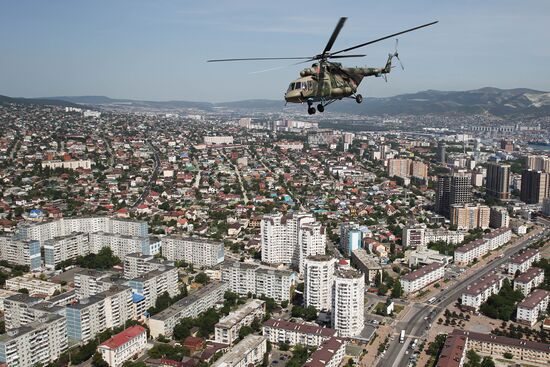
519 102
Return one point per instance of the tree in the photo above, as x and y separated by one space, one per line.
487 362
98 361
202 278
244 331
508 355
474 360
397 290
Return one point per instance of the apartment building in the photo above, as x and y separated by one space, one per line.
38 343
21 252
33 285
329 354
136 264
227 329
280 237
422 277
523 261
499 218
196 251
318 281
164 322
528 280
123 346
63 248
348 302
248 352
496 346
533 306
419 236
259 280
453 353
312 241
86 319
477 249
292 333
479 291
468 216
367 264
153 284
122 245
21 309
89 282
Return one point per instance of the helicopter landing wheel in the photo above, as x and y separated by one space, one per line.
311 110
320 108
358 98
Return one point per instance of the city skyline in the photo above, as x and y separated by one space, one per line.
157 51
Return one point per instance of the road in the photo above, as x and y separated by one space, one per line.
415 324
156 168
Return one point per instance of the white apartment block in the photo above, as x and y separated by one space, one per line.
88 282
21 252
207 297
280 237
528 280
214 140
153 284
227 329
348 302
122 245
330 354
419 236
21 309
73 164
37 343
480 247
65 226
292 333
63 248
244 278
478 292
137 264
422 277
312 240
532 307
123 346
523 261
33 285
248 352
196 251
319 280
118 305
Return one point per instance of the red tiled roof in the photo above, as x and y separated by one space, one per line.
123 337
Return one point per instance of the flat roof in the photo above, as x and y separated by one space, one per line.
302 328
529 275
242 348
534 299
502 340
234 317
524 256
413 275
481 285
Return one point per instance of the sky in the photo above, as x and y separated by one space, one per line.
156 50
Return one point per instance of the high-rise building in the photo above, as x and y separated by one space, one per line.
399 167
441 156
499 217
452 189
466 217
348 302
282 238
534 186
507 145
196 251
498 181
319 280
538 163
21 252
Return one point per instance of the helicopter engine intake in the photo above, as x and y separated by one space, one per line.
308 72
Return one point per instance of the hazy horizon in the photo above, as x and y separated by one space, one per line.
157 51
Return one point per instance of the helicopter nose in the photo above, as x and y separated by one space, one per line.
293 96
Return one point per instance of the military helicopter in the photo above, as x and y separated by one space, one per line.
326 81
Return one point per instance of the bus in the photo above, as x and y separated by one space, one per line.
402 336
431 300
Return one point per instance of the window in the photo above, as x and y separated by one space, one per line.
297 85
291 87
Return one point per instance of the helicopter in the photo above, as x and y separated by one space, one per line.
326 81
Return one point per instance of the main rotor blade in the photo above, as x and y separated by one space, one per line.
334 35
344 56
383 38
261 59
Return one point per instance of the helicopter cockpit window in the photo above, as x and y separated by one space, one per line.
297 85
291 87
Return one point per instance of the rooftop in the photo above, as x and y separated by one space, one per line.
300 327
419 273
481 285
524 256
502 340
326 351
529 275
234 317
453 351
534 299
237 353
123 337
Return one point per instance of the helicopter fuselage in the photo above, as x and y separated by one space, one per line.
329 82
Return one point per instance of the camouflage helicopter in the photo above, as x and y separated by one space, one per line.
325 81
